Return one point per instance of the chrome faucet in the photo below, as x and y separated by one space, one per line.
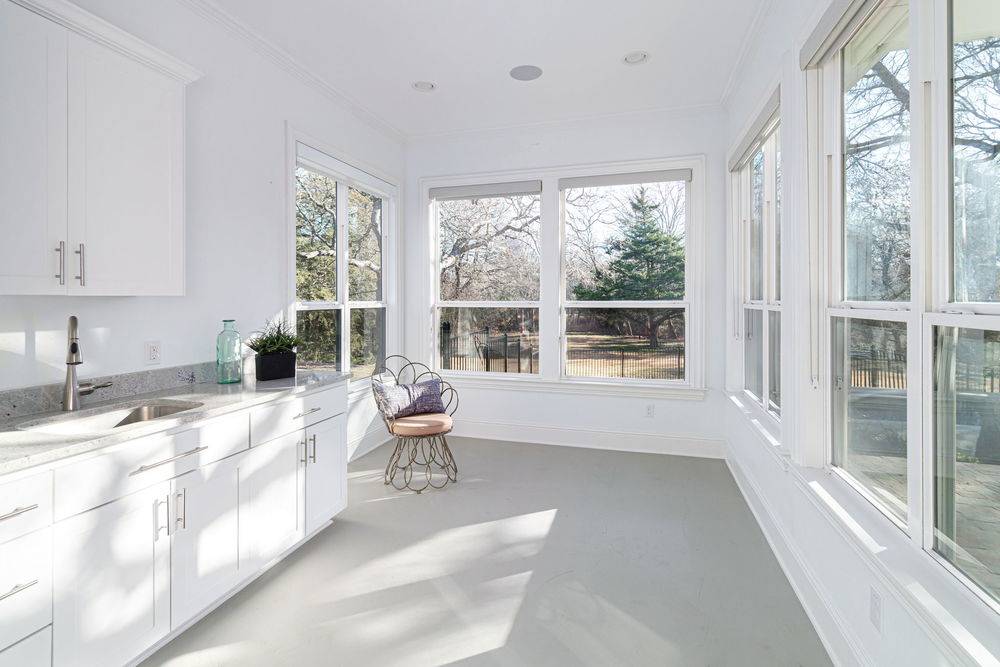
72 389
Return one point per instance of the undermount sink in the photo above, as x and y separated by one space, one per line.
101 420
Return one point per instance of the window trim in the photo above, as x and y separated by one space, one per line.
551 243
348 172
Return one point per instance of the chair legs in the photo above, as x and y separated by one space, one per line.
417 463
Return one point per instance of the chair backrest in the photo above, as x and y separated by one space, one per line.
397 369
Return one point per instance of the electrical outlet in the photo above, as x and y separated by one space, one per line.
650 411
152 352
875 610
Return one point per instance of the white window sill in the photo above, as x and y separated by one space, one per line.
520 382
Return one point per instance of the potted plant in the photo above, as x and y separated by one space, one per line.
275 348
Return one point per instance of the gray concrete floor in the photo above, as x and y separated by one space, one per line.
538 556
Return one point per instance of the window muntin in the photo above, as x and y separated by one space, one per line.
340 237
870 407
489 248
625 247
488 339
976 151
876 158
489 275
967 452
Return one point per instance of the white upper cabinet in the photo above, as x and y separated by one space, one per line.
93 188
33 155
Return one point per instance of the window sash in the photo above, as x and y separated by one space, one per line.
347 177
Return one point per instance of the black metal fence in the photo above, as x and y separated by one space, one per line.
662 363
887 370
488 351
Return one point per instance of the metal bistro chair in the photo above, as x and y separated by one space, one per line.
421 445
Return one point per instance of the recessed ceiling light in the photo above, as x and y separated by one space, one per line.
635 58
423 86
526 72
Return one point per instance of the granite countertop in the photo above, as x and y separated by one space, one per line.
21 449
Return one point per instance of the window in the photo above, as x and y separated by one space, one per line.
891 336
598 281
625 311
869 350
757 184
489 268
340 240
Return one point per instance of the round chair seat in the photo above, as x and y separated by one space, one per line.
417 425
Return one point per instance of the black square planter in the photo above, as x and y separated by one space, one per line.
275 366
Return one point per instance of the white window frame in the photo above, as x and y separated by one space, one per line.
312 154
931 266
550 304
767 140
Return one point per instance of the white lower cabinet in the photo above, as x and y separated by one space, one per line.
25 586
270 500
205 556
112 580
33 651
326 471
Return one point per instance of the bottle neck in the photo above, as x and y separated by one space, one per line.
229 326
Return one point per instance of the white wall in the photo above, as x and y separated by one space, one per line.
680 426
236 215
835 547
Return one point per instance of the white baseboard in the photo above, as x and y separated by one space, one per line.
589 438
372 439
839 641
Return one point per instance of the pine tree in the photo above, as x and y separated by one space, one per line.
647 265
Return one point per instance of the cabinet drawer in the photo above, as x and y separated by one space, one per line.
25 586
25 505
221 437
35 651
129 467
272 421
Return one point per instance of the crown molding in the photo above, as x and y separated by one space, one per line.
282 59
741 55
97 29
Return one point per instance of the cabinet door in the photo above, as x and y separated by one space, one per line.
270 500
205 554
112 569
125 175
32 152
326 471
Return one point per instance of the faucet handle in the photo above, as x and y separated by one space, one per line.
86 388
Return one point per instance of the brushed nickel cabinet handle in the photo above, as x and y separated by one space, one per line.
17 589
18 511
62 262
83 275
305 451
182 513
142 469
306 413
312 457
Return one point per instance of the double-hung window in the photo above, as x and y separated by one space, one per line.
625 308
340 304
758 188
488 281
912 179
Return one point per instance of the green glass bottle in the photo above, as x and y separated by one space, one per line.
229 354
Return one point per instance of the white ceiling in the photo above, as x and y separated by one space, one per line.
372 50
